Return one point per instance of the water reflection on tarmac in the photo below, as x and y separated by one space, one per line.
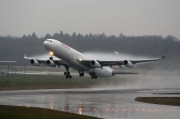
105 103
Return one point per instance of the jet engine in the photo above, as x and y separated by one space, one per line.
34 62
50 63
95 64
128 63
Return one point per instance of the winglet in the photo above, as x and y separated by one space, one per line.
163 57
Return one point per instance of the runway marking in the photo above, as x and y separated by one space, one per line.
121 109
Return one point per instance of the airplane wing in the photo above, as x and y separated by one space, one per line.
141 61
39 60
128 63
36 61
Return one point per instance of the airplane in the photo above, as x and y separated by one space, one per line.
71 58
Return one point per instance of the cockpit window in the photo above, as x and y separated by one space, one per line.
49 40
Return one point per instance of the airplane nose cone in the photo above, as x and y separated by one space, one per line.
45 44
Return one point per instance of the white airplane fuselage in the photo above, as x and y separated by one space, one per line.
72 57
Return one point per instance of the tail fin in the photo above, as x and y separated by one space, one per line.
116 53
25 56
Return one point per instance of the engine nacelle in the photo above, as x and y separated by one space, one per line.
50 63
95 64
128 63
34 62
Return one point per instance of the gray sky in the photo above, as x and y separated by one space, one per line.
130 17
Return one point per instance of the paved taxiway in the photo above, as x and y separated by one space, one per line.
105 103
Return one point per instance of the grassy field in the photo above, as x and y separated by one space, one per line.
18 112
42 82
174 101
26 82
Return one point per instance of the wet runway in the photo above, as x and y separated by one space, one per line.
110 98
101 102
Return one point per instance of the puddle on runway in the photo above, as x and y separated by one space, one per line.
105 104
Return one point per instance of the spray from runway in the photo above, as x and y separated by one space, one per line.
113 56
146 77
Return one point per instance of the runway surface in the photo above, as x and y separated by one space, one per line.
105 103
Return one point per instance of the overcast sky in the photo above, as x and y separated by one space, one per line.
130 17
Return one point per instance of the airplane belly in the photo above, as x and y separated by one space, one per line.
73 63
103 72
77 66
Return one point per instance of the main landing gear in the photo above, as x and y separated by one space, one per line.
93 75
81 74
67 73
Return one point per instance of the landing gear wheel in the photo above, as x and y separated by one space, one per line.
68 76
93 75
65 73
68 73
81 74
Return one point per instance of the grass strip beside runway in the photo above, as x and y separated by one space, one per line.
32 82
173 101
18 112
44 82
